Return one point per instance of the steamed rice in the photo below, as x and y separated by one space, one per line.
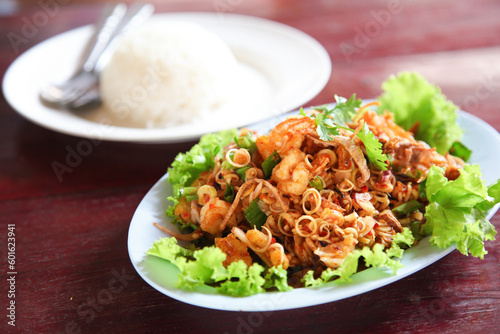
167 74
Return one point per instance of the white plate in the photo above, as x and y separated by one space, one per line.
287 68
161 275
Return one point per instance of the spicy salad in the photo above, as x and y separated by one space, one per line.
326 193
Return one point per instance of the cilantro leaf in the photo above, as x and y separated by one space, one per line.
325 127
342 112
345 110
329 120
373 148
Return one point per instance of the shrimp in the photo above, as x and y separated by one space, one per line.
212 215
303 252
277 256
264 246
321 163
183 210
287 135
234 249
292 174
385 125
259 240
334 254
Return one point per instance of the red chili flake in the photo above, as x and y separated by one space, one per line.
206 197
364 188
376 225
273 240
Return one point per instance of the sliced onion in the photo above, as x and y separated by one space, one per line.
186 237
356 154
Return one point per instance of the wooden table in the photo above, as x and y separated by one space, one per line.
73 270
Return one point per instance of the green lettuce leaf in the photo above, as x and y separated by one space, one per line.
465 192
242 280
493 197
204 267
377 257
455 214
188 166
277 277
167 248
413 100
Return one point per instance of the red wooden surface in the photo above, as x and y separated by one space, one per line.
73 270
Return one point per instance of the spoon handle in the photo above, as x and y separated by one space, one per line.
135 16
100 38
114 20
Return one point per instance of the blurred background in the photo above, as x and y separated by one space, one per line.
455 44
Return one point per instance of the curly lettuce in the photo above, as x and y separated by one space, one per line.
456 210
188 166
415 101
377 257
204 267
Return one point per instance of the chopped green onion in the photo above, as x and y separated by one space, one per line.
246 142
187 228
229 194
390 159
415 230
189 193
254 215
242 172
406 208
269 164
226 164
414 174
422 189
460 150
317 183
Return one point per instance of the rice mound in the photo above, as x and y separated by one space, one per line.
167 74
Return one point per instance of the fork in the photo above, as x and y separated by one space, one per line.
114 20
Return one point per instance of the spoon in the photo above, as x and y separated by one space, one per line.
82 88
